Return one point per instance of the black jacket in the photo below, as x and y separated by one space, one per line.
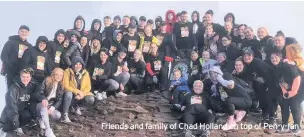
39 61
115 63
12 53
232 52
267 45
43 92
184 42
255 46
107 71
196 103
75 50
107 33
138 68
82 31
95 33
167 45
258 68
18 98
56 49
227 66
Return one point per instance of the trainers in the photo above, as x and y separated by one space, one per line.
188 133
66 118
121 94
49 133
41 124
19 131
99 96
95 92
296 131
205 133
104 95
283 129
240 115
78 111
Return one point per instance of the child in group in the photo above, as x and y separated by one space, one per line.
179 88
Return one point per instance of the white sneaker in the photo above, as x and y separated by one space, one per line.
78 111
41 123
19 131
99 96
95 92
49 133
121 94
66 118
2 133
104 95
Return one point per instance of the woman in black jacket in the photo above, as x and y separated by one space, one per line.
50 95
37 59
20 103
94 53
292 86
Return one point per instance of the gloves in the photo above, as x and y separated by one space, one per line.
155 80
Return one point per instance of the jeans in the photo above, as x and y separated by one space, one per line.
43 114
69 97
136 82
106 85
122 78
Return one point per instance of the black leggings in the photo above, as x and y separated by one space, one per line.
231 104
178 96
294 104
261 94
205 117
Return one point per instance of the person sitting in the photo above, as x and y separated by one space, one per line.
206 63
179 88
228 96
195 108
20 103
77 86
120 71
137 72
50 94
101 73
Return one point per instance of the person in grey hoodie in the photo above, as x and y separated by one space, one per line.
75 48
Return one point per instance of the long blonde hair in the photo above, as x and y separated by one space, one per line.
50 80
141 57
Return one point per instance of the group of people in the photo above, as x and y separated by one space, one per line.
230 70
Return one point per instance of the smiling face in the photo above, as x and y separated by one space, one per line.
239 66
249 34
275 59
194 17
25 78
177 74
58 76
103 56
96 43
23 34
198 87
78 24
206 55
228 26
137 54
221 58
83 41
78 67
279 41
97 26
107 22
262 32
209 30
42 45
184 18
170 16
225 41
248 58
73 38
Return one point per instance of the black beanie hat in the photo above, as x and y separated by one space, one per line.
117 17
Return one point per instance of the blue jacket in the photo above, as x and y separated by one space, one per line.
180 84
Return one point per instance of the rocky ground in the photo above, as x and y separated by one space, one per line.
146 115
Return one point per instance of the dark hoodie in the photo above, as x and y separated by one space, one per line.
82 31
18 98
195 24
202 103
130 42
170 24
157 27
12 53
188 40
93 32
38 60
266 47
56 49
233 18
115 45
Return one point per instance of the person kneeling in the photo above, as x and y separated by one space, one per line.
231 98
179 88
20 99
50 94
137 72
77 85
195 107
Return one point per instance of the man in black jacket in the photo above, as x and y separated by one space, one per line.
21 104
12 53
37 59
55 48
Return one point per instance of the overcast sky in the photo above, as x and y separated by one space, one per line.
45 18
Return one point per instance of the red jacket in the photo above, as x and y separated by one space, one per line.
170 24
